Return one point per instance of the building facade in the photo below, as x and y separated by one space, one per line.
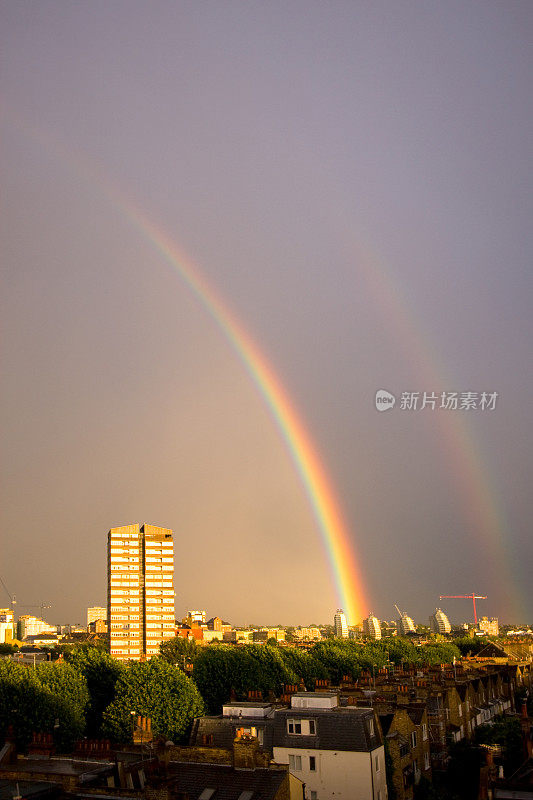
140 590
405 625
489 627
7 625
96 612
28 625
439 622
340 624
371 627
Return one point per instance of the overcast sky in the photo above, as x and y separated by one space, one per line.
353 179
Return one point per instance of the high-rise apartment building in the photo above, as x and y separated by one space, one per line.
372 627
439 622
340 625
140 595
405 625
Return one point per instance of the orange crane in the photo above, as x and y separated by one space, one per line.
473 597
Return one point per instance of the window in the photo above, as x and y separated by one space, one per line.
371 727
426 760
312 729
312 763
413 739
295 763
294 726
376 763
424 731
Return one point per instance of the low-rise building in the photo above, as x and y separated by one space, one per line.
336 751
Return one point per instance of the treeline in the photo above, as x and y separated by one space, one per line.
88 693
220 669
91 694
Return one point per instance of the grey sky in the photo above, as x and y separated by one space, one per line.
354 180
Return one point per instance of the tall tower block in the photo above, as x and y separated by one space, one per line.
140 595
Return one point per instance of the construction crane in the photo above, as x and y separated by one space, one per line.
473 597
12 597
42 606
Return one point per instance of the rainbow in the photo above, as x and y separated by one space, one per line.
325 506
321 495
484 518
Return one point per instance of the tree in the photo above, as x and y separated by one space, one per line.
39 700
154 689
506 732
178 651
219 670
101 673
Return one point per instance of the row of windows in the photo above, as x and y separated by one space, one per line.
296 761
304 727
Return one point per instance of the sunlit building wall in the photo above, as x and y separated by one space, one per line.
439 622
340 624
140 590
7 625
372 627
94 613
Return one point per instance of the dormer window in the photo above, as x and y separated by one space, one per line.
301 727
294 726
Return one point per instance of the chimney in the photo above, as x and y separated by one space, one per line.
245 750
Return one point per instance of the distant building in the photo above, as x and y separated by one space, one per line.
307 634
7 625
195 618
405 625
489 627
340 624
28 625
97 626
140 590
94 613
264 634
371 627
439 622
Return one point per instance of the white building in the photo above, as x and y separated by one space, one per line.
340 624
307 634
7 625
140 590
489 627
337 752
405 625
371 627
95 613
439 622
28 625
